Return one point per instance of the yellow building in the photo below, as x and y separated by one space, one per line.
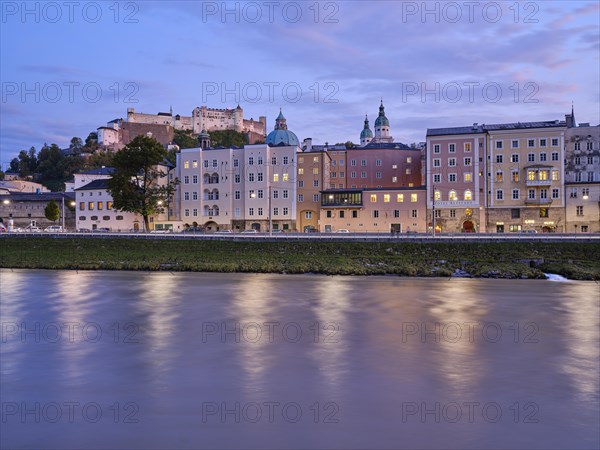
525 167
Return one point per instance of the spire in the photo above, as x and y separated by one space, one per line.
280 122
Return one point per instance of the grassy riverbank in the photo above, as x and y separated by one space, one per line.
494 260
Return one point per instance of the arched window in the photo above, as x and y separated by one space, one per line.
452 196
215 210
437 196
215 194
207 194
206 210
468 195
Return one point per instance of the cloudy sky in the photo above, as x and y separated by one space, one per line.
68 68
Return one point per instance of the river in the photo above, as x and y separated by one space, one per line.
124 360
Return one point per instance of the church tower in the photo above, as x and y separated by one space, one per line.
382 127
366 135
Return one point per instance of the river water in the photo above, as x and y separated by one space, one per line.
124 360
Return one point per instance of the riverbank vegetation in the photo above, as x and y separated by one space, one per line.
580 261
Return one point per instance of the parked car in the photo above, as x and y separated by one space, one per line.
224 232
32 229
83 230
193 230
529 231
342 230
249 231
54 229
102 230
310 230
276 231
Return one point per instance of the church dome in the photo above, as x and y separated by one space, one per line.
366 133
381 120
282 137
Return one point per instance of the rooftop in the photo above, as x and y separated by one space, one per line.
96 184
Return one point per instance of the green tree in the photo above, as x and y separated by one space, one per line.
98 159
227 138
185 139
138 183
1 175
76 143
52 212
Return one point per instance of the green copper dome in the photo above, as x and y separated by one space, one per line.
381 120
366 132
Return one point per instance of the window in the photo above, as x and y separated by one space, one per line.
328 214
467 161
531 157
378 162
186 195
275 177
584 192
205 163
373 198
215 163
589 146
238 212
409 160
195 179
342 174
414 213
315 197
514 143
316 171
375 213
451 148
499 159
555 193
543 157
394 179
251 193
499 194
543 193
468 195
186 165
81 206
554 142
543 142
286 160
544 212
194 195
285 193
386 198
275 193
315 183
577 160
555 175
530 143
275 211
531 194
437 162
396 213
238 195
186 180
590 160
119 217
363 174
259 160
186 213
250 211
260 211
315 159
467 146
554 156
251 177
452 177
453 213
451 162
436 148
300 197
250 161
499 145
514 158
237 178
590 176
300 184
452 196
353 162
261 193
195 164
301 171
195 212
438 213
352 174
285 211
378 174
286 177
514 176
91 206
437 195
413 198
109 205
579 210
400 198
308 215
515 213
584 228
363 162
515 194
236 163
437 178
499 176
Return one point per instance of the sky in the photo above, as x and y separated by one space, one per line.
67 68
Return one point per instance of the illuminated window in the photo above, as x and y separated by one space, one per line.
373 198
468 195
515 176
555 175
386 198
543 174
531 175
81 206
437 195
400 198
186 165
195 164
109 205
316 171
275 177
394 179
413 198
100 206
91 206
286 177
467 146
315 159
301 171
452 196
468 177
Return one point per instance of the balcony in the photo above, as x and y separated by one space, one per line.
538 201
533 183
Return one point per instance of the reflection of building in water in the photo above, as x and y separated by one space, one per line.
333 302
456 352
581 303
253 307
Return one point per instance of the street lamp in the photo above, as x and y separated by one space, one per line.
433 213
